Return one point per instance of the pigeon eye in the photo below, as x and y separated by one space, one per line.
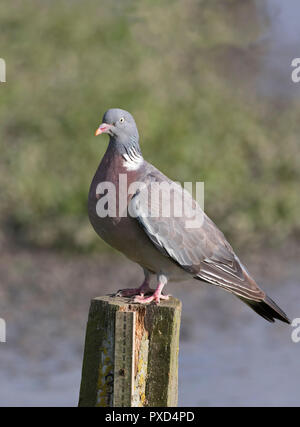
122 120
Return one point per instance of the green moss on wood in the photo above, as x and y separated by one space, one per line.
155 352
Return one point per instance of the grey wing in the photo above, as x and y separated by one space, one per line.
198 247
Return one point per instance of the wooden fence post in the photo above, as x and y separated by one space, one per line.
131 353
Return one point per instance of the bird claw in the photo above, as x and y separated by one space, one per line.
142 299
153 298
138 295
126 292
165 297
131 292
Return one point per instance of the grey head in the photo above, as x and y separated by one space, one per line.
121 128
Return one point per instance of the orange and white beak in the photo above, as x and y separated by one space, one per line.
103 128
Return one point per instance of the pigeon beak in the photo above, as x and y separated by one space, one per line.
103 128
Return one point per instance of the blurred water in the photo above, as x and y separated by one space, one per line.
281 38
236 358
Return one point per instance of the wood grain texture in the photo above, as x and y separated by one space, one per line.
154 354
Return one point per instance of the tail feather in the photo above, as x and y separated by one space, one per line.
267 309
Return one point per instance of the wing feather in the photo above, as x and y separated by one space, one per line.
202 251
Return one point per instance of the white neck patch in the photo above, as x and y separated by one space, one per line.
132 160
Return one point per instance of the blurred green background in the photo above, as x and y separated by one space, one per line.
187 71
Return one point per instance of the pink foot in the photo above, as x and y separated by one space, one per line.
129 292
157 295
146 300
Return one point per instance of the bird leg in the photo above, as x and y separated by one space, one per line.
142 290
157 294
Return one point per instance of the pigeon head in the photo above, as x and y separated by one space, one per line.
120 126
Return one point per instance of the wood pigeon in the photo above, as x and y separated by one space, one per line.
163 244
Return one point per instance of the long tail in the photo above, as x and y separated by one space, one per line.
267 309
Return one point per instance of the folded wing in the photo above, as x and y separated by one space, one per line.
191 239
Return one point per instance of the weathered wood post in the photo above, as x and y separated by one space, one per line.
131 353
